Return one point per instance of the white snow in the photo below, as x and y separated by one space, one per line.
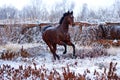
76 65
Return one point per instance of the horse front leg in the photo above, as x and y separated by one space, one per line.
71 44
65 46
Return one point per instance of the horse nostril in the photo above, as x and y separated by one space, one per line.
73 24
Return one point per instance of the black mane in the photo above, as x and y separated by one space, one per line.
60 22
65 14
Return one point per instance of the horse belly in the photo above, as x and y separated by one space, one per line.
65 38
49 36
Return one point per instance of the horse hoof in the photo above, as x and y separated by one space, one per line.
59 58
64 52
74 57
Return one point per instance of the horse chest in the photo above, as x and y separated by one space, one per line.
63 36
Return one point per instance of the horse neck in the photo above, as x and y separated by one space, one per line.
64 26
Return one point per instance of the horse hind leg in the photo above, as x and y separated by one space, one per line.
51 46
55 55
53 50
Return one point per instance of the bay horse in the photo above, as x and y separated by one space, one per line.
59 35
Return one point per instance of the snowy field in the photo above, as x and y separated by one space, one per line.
40 57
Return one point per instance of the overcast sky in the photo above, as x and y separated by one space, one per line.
17 3
93 4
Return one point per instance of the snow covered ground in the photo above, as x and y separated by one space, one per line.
41 56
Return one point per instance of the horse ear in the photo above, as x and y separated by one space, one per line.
68 12
72 12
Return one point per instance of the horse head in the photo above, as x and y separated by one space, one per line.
69 17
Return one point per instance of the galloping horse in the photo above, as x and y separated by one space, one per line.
59 35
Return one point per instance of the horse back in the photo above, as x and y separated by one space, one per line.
49 34
45 28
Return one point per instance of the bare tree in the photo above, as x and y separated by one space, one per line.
7 12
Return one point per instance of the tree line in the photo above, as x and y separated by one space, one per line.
37 11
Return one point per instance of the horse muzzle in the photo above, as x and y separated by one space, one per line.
73 24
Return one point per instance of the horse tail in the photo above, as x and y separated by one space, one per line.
45 28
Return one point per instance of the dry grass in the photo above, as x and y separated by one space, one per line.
81 51
11 47
8 55
42 73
